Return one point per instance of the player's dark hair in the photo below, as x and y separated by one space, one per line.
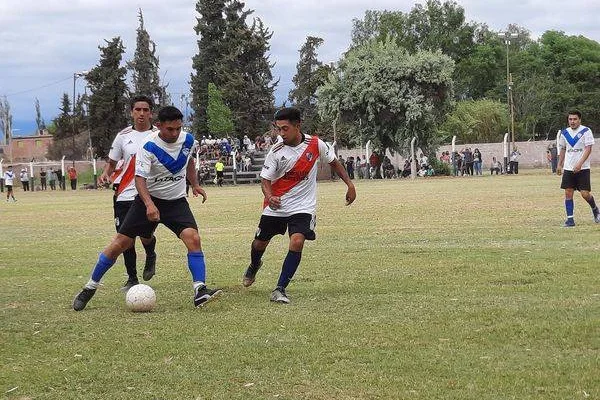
169 113
291 114
575 112
141 97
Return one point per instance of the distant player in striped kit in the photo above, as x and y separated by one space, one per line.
575 146
289 185
122 152
161 167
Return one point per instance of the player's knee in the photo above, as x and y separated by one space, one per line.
260 245
191 238
297 242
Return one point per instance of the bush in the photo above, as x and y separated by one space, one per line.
440 167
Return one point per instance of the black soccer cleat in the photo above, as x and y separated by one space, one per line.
129 283
149 266
82 298
250 275
205 295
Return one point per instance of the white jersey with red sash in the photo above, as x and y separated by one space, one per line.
124 147
293 175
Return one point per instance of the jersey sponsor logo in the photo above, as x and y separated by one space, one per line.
169 179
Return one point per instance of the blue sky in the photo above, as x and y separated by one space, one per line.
44 43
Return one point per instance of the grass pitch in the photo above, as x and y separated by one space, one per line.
444 288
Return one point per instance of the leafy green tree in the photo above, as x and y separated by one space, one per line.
476 121
210 28
145 67
108 106
220 123
63 121
310 74
390 95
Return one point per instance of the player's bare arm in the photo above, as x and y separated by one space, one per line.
151 210
108 171
343 174
274 201
561 161
193 180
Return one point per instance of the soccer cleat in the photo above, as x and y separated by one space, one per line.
129 283
569 223
82 298
205 295
278 296
250 275
149 267
597 218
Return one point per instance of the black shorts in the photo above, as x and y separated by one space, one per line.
121 208
9 188
578 181
174 214
270 226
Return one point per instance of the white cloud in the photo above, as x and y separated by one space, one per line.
46 42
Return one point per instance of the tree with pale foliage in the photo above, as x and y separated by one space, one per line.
389 96
5 121
476 121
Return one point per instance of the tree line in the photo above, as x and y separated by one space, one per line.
427 73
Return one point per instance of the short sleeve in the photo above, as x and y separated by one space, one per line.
269 169
116 149
326 152
561 142
589 138
143 162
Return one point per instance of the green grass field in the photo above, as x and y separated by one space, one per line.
446 288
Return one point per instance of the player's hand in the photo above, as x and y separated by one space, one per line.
350 195
576 169
197 190
103 179
152 213
275 202
559 171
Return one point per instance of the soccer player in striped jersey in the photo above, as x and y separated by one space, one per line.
122 152
575 146
289 185
162 165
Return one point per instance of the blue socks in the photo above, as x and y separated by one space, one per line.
290 265
104 263
569 207
197 266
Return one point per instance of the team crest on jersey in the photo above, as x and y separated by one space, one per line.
309 156
185 151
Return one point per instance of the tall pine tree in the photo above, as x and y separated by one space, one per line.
210 28
246 71
310 74
108 107
145 67
39 120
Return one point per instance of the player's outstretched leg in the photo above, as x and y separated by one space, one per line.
255 261
102 265
130 260
150 264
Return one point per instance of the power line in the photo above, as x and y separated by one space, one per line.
39 87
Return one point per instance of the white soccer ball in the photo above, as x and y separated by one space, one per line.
140 298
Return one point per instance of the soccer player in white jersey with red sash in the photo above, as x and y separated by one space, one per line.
123 150
289 185
575 146
161 167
